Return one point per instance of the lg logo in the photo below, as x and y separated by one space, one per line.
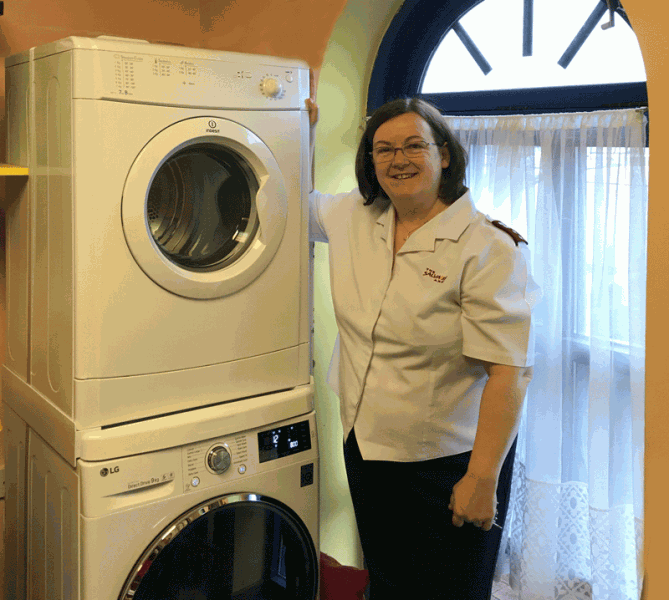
104 472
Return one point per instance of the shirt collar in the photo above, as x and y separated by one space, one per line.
450 224
386 223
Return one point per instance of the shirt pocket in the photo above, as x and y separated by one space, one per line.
434 296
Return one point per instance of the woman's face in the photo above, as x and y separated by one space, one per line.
414 179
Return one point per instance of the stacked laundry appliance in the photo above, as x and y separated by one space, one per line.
158 407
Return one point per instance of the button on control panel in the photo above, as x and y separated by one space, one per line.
271 87
219 459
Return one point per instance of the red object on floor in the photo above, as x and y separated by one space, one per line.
339 582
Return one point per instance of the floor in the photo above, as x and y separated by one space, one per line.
501 591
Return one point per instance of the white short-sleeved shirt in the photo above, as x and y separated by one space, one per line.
412 334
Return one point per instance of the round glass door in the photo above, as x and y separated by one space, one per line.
201 208
204 208
238 547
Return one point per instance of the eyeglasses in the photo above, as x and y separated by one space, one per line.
384 154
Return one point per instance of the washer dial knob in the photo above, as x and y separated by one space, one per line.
219 459
271 87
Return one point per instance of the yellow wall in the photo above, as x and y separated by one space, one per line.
301 29
650 19
342 98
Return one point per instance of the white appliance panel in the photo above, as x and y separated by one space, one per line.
126 324
187 81
91 526
109 340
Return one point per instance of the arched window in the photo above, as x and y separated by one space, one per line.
510 56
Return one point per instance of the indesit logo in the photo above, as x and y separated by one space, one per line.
104 472
212 127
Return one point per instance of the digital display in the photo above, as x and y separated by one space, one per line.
284 441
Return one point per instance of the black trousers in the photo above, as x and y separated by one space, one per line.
411 547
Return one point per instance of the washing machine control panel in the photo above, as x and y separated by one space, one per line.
238 456
227 461
191 81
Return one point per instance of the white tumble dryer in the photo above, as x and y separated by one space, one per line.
165 216
210 504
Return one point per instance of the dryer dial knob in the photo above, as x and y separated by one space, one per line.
219 459
271 87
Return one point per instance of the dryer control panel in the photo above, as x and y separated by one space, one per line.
189 80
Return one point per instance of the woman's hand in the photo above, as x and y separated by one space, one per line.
474 497
474 500
312 107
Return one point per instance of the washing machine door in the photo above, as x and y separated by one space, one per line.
204 207
233 547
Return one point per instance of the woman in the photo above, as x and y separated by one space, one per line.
431 301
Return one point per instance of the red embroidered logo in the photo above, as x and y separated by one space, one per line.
438 278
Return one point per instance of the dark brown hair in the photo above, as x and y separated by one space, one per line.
452 177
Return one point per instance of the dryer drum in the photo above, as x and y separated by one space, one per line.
201 208
234 547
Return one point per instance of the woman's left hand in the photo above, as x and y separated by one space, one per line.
474 500
312 107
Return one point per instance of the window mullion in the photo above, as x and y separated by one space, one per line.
528 26
585 31
472 48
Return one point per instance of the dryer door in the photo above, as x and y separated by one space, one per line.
234 547
204 207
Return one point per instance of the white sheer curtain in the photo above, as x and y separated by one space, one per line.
575 185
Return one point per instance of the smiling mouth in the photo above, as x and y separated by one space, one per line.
403 176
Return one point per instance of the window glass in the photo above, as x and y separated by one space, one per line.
496 28
611 199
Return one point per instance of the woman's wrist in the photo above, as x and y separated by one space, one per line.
483 477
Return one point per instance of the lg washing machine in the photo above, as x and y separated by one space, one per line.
159 257
204 505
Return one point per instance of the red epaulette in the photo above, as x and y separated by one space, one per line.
517 238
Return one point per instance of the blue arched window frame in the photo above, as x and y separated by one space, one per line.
414 35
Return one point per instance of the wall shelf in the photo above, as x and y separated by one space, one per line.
7 170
